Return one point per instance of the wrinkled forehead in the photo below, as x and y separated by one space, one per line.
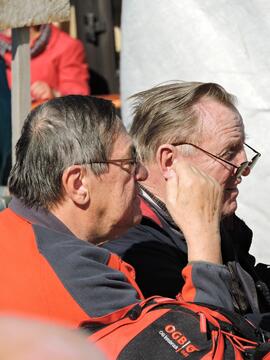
217 119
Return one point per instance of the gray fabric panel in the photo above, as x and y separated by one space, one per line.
82 269
216 280
249 287
38 216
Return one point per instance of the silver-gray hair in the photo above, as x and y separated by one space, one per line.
168 114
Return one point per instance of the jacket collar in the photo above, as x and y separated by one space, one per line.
38 216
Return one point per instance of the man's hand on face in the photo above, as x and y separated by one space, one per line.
194 201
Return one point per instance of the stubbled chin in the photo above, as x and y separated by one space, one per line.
229 207
119 230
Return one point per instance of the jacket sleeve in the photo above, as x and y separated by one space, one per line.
238 238
207 283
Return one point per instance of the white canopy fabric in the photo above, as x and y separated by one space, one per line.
223 41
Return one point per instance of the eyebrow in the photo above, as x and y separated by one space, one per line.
233 146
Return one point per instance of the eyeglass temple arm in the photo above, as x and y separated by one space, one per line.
216 157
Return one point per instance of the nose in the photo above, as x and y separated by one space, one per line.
241 159
242 156
246 172
141 172
242 163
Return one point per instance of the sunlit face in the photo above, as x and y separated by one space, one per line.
115 198
222 135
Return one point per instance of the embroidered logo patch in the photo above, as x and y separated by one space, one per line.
177 340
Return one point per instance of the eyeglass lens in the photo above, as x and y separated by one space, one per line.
242 168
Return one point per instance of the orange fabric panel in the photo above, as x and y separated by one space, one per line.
113 344
116 263
29 286
188 290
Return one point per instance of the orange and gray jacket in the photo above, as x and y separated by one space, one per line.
49 273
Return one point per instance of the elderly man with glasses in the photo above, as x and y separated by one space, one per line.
197 123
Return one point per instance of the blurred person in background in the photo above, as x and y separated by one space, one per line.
58 64
28 339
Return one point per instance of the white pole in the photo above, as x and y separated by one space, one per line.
20 94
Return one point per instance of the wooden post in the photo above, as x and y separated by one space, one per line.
20 95
19 15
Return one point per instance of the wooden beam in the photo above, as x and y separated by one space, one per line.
20 13
20 94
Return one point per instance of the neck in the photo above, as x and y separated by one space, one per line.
73 218
155 183
84 224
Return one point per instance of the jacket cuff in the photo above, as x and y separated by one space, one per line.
207 283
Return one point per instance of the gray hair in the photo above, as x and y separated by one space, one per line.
168 114
62 132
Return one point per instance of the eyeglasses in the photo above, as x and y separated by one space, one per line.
241 168
130 165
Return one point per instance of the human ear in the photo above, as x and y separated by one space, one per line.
75 184
165 156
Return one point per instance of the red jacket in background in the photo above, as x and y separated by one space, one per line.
61 64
